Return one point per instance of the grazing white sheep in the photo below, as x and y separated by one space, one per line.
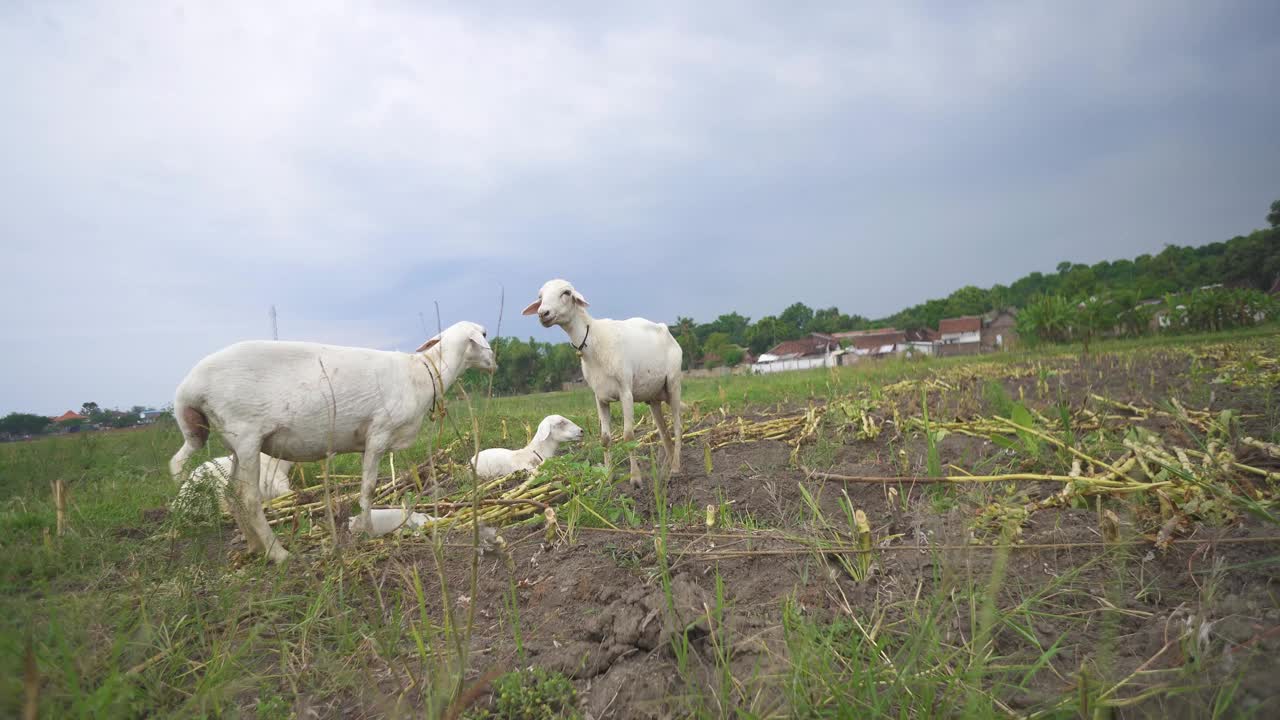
628 361
304 401
210 479
553 430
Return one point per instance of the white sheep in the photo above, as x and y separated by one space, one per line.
303 401
212 476
553 430
385 520
629 361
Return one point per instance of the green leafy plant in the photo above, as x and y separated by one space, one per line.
530 694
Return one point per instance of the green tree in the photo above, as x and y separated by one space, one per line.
1079 281
968 300
1046 319
829 320
1273 217
1092 318
717 343
121 418
690 349
797 315
733 325
18 423
764 334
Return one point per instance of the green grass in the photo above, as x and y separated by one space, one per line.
128 616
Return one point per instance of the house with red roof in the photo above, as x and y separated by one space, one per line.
959 336
68 416
816 350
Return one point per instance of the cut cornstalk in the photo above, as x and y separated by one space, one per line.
1055 441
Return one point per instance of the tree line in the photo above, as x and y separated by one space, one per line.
21 424
1055 319
1076 302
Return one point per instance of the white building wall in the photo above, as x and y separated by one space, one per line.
804 363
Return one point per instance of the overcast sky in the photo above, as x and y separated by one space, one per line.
169 170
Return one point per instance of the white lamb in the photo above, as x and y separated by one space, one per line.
553 430
210 479
629 361
385 520
303 401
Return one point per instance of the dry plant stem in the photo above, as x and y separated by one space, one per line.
1051 439
810 545
60 505
959 479
853 550
504 502
1241 466
475 530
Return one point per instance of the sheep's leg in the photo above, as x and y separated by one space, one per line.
195 433
606 434
661 422
673 399
180 458
233 500
248 475
629 434
368 480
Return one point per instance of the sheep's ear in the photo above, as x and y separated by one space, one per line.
577 297
544 432
429 344
533 307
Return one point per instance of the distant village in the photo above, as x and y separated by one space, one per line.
969 335
87 419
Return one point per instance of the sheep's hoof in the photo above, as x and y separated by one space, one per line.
278 555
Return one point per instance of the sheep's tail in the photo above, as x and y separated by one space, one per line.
194 425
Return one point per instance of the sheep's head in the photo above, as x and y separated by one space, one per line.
473 338
557 302
558 428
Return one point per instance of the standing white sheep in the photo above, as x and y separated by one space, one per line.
304 401
210 479
553 430
629 361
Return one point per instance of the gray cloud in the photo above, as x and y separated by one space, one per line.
172 170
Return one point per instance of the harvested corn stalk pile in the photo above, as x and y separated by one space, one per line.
490 503
512 498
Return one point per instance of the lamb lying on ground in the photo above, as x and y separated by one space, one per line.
385 520
553 430
210 480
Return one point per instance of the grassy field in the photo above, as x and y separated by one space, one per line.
1041 534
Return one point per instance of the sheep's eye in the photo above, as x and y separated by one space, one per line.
565 293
